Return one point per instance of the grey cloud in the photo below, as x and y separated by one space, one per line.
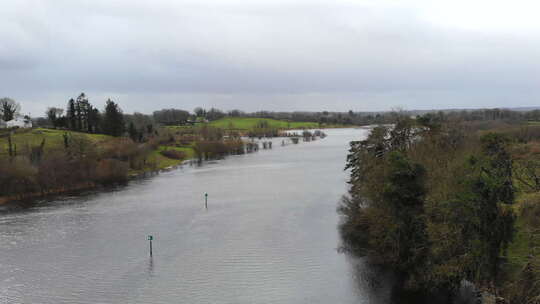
259 55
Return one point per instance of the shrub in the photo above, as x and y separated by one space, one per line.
110 171
120 148
174 154
17 177
56 171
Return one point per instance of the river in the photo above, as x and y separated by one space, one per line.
268 236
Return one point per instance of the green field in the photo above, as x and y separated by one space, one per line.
248 123
24 138
244 124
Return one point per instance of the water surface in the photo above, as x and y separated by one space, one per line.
268 236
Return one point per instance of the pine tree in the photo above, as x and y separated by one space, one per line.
93 120
82 108
133 133
113 120
72 120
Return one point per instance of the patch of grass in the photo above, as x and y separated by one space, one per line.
53 138
248 123
163 162
179 127
244 124
187 150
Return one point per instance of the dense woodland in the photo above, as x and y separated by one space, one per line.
440 200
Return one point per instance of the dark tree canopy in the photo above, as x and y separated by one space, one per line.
82 116
171 116
9 108
430 201
113 120
54 115
71 115
133 133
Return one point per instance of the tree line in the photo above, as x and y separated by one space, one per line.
82 116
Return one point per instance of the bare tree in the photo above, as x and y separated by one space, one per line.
8 108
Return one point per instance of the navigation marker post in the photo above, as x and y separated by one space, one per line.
150 238
206 200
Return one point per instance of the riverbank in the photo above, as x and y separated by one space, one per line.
105 160
50 193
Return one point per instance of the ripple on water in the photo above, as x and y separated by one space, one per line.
269 236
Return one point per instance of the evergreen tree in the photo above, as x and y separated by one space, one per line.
71 116
82 109
113 120
133 133
93 121
491 192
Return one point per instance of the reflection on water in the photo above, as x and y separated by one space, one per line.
382 287
150 269
269 236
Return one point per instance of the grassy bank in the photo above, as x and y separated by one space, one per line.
48 161
24 139
163 162
54 139
39 161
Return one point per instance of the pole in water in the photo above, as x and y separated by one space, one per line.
150 238
206 200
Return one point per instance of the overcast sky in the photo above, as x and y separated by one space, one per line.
271 54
